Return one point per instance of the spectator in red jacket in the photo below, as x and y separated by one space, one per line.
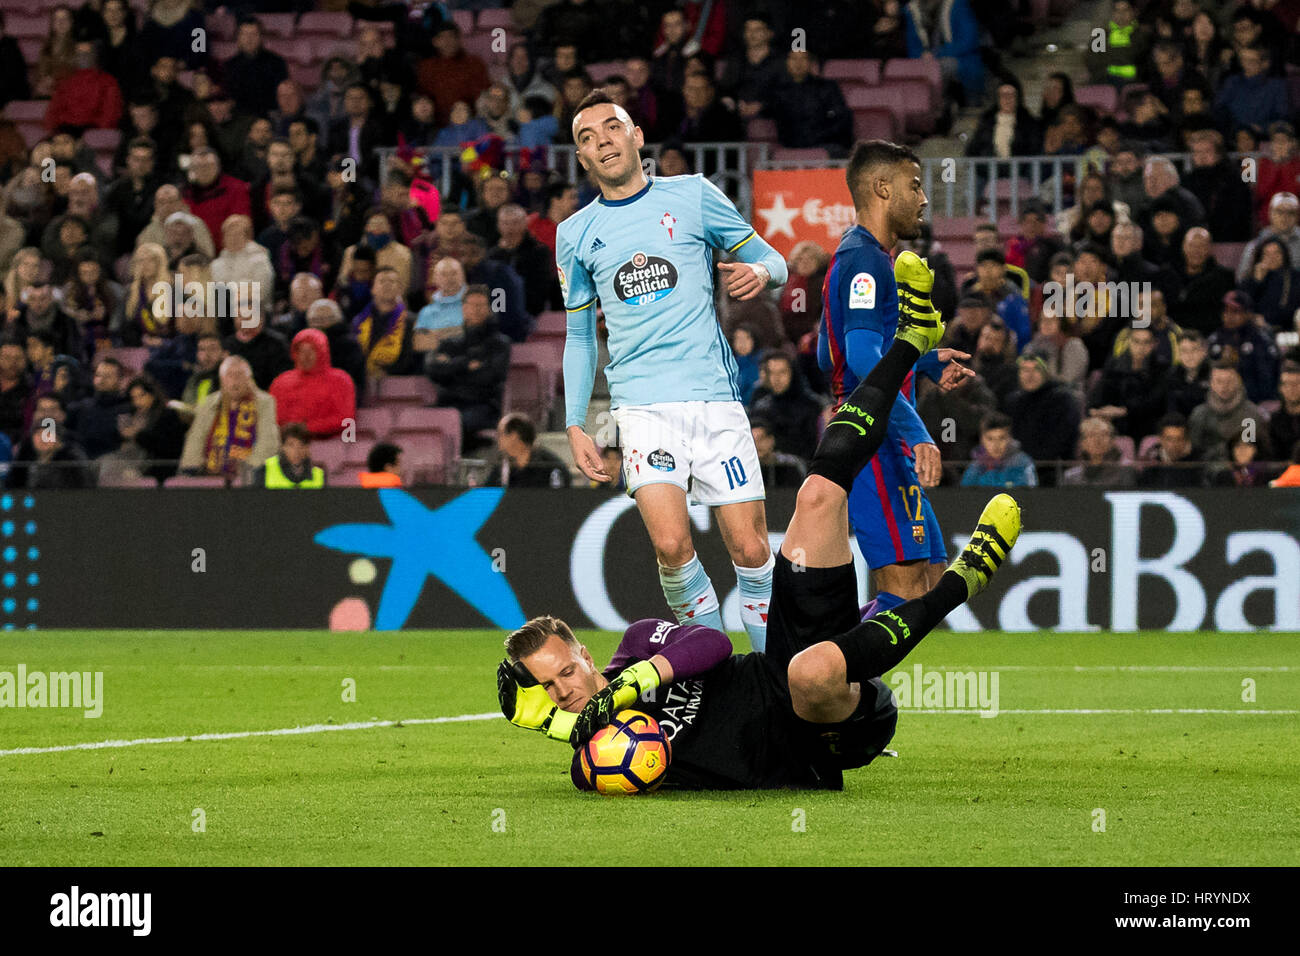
86 97
212 195
313 391
451 75
1279 171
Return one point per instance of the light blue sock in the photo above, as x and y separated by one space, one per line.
883 601
755 593
690 594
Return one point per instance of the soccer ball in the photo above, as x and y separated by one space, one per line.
631 755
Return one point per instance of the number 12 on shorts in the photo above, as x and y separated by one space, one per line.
735 472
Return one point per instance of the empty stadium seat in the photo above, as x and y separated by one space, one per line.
344 478
26 111
195 481
961 255
876 124
814 154
1228 253
920 103
490 19
917 69
441 422
531 382
551 330
908 100
861 71
132 359
331 23
221 24
464 19
761 131
32 133
424 459
374 423
480 45
956 227
329 454
102 139
22 27
1101 96
600 72
277 24
405 390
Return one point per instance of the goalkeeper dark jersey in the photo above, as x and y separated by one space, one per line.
728 716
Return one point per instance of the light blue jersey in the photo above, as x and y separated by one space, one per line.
649 260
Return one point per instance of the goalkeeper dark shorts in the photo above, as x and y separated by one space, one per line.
809 606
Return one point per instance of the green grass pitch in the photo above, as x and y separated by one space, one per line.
1019 788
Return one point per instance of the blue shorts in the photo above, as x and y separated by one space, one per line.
890 514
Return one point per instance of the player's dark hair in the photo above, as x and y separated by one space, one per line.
382 455
995 421
991 255
869 158
478 288
595 98
520 426
530 637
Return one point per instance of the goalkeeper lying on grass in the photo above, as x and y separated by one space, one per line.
811 705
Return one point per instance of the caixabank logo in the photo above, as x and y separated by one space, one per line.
423 543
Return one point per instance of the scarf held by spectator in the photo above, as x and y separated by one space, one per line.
234 432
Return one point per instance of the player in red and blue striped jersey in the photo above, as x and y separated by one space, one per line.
892 518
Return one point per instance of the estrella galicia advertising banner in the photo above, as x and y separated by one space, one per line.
1088 559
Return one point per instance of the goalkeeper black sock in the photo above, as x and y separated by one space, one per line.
857 430
879 643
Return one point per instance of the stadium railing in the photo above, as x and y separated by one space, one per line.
727 165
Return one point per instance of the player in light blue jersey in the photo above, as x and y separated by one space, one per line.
644 250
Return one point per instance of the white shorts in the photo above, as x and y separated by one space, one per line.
704 448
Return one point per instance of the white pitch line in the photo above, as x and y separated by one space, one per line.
236 735
1139 668
465 718
1102 710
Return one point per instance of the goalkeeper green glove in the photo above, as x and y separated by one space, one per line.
526 704
621 693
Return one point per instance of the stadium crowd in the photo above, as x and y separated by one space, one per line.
238 172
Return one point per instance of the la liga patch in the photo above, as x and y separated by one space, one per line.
862 291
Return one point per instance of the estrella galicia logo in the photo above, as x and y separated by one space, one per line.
438 543
662 460
645 279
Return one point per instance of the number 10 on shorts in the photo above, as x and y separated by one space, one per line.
735 472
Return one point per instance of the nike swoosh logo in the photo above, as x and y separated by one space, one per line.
862 431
